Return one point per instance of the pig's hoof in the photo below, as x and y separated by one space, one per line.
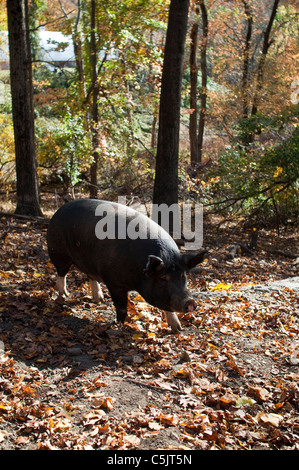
176 329
97 294
121 316
173 322
98 298
60 299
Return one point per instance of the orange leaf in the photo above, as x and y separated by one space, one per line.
99 383
107 403
259 393
170 420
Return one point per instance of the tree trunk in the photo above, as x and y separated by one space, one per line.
95 112
77 42
22 108
153 135
193 94
245 71
204 78
166 179
261 65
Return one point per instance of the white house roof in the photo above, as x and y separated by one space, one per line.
54 47
4 52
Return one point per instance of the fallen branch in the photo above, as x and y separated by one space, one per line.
38 219
286 254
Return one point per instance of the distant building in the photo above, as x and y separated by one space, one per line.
55 49
4 51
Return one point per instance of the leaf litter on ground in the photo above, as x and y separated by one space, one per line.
71 379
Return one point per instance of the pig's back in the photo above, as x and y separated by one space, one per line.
72 233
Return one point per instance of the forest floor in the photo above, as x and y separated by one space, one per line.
71 379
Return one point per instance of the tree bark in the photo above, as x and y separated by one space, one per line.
166 178
78 50
22 108
204 78
261 65
193 94
245 71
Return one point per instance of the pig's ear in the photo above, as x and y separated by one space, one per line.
192 259
154 264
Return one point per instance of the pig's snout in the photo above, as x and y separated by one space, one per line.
190 306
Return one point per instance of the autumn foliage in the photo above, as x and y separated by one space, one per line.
70 378
241 84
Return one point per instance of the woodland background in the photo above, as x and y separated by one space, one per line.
239 86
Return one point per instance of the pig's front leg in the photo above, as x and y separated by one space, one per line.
96 290
61 286
173 321
120 300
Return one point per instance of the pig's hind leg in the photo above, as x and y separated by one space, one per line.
61 287
97 294
62 265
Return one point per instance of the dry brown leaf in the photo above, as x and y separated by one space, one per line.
270 418
154 426
99 383
107 403
168 419
259 393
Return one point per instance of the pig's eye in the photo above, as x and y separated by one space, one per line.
163 281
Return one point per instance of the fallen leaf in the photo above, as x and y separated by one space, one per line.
270 418
231 363
213 435
229 399
260 393
130 440
154 426
168 419
221 286
294 358
107 403
243 401
3 435
99 383
137 336
93 417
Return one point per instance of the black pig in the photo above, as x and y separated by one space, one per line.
123 248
